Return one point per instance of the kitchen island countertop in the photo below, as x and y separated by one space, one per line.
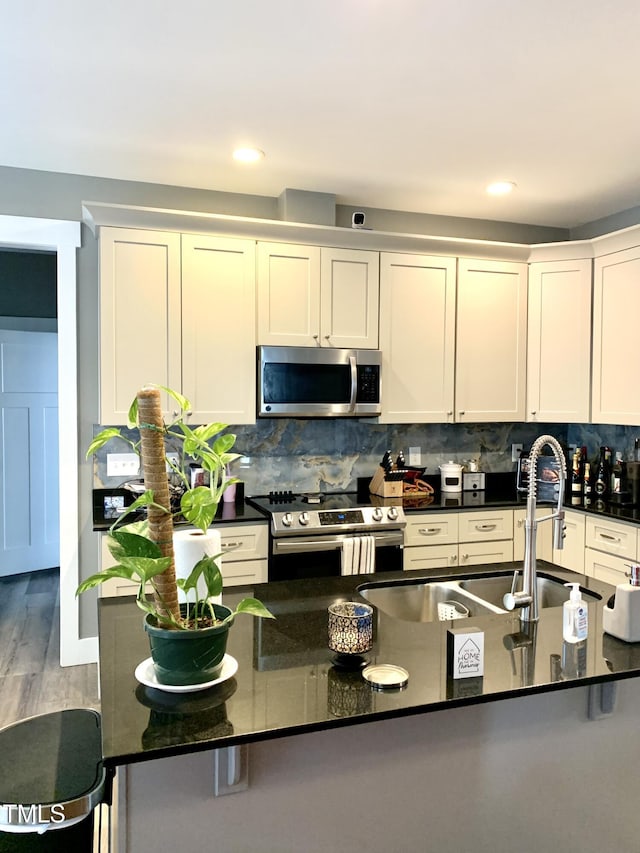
286 682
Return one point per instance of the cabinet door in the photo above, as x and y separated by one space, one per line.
288 295
572 555
478 553
417 337
218 328
491 333
544 534
604 567
616 308
140 317
349 288
559 342
430 557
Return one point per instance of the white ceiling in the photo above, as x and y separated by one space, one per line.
403 104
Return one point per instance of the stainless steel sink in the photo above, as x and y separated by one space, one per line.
431 601
492 588
418 601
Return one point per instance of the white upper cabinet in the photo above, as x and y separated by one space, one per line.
349 298
288 295
491 335
417 337
616 308
140 317
218 323
177 310
559 342
309 296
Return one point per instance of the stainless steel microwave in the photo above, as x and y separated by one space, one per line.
308 382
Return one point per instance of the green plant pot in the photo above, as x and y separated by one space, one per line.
188 657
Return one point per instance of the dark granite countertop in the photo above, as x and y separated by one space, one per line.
286 682
228 513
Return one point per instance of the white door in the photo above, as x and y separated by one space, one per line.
29 517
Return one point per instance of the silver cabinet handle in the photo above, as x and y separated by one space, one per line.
428 531
462 413
609 537
486 526
454 558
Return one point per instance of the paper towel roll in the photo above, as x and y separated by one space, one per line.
190 546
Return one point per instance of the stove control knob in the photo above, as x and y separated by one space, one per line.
392 513
377 514
304 518
287 518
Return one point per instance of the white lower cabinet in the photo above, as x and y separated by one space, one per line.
448 540
605 567
610 548
245 548
613 537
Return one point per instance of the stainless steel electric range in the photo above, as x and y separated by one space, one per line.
310 533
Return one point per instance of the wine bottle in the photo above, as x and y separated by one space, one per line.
602 485
587 495
616 474
576 479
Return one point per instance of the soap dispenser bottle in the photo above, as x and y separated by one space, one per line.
575 616
621 614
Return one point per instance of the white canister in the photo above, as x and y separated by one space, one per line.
451 477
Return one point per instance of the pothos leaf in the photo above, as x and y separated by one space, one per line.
255 608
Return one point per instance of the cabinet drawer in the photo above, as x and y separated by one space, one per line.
612 537
244 541
433 528
243 572
431 557
485 526
477 553
604 567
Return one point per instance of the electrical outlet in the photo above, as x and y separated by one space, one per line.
122 464
175 458
516 450
415 456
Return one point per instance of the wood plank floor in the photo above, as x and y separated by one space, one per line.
31 678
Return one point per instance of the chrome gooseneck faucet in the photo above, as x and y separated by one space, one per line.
527 597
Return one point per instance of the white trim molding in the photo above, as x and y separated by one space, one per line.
62 237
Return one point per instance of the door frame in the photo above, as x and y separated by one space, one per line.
62 237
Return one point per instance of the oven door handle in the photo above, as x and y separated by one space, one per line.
297 545
354 383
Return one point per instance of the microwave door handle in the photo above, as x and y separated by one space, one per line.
354 383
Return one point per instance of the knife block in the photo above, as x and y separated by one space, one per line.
385 488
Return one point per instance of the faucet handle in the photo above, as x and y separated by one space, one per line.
559 530
516 599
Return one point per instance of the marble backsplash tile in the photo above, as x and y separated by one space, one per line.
331 454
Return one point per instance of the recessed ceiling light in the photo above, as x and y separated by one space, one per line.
248 155
501 187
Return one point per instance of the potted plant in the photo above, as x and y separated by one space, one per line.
188 640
